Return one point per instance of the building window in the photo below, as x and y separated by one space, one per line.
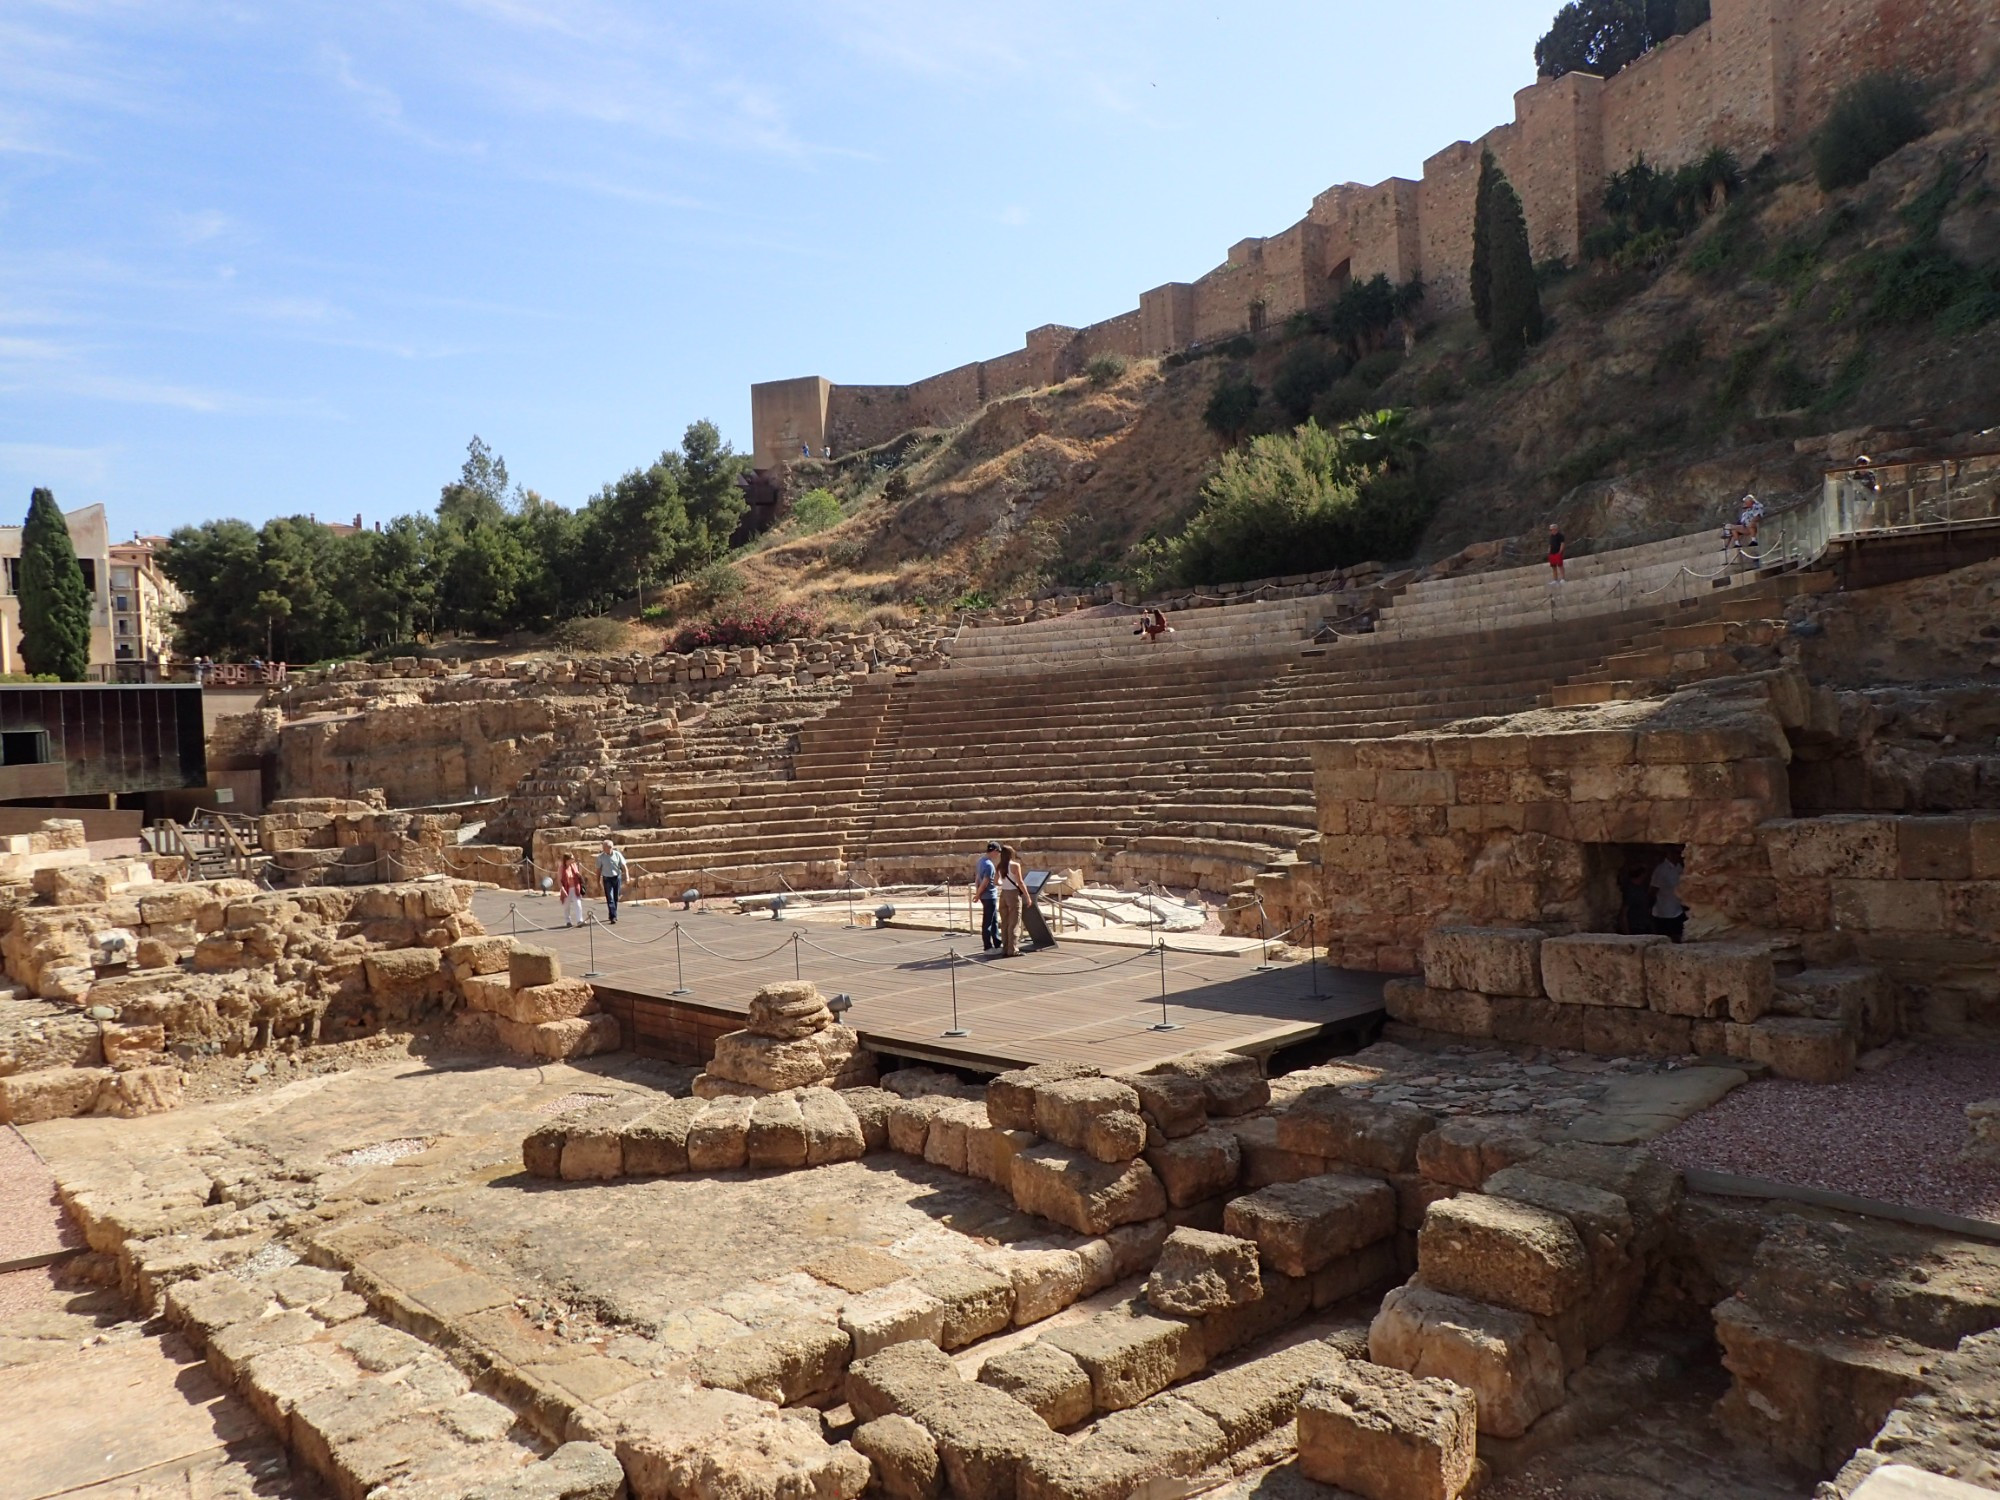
121 578
124 648
13 574
122 603
124 626
24 747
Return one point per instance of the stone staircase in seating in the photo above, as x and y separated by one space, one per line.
1087 637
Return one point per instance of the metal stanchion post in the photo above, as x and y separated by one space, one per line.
680 976
850 903
590 936
513 920
795 956
1312 950
956 1029
1164 1023
1264 939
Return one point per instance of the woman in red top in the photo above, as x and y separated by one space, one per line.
569 883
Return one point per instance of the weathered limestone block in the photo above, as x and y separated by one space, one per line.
541 1151
1301 1226
1841 848
784 1364
407 970
775 1065
581 1036
773 1459
776 1137
489 993
1286 1299
1010 1097
1088 1196
1173 1105
1793 1047
563 1000
990 1153
575 1471
1232 1083
1044 1281
895 1314
716 1139
479 956
1466 1151
1044 1379
947 1141
1069 1113
1598 968
1197 1167
910 1123
976 1302
1199 1273
901 1377
1127 1453
50 1094
133 1046
1708 981
789 1010
528 966
1488 960
1511 1254
904 1457
1130 1355
656 1144
1455 1012
833 1132
1603 1221
1264 1161
132 1092
1650 1188
871 1108
985 1439
1503 1357
1357 1273
594 1143
1328 1122
1387 1435
1259 1396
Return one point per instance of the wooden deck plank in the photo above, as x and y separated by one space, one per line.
1070 1004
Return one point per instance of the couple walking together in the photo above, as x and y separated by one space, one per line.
610 874
1001 885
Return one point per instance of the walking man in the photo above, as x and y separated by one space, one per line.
611 872
986 887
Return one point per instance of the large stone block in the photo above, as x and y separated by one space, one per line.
1603 1221
1264 1160
1358 1273
1129 1355
715 1141
1172 1104
560 1001
1464 1152
50 1094
1045 1280
1454 1012
581 1036
1650 1188
984 1438
976 1302
1128 1453
1387 1435
1496 1250
1489 960
1811 1051
1098 1115
1708 981
775 1138
1091 1197
1010 1097
789 1010
1513 1368
656 1144
904 1457
790 1362
1286 1299
403 969
891 1315
1198 1273
1259 1396
947 1140
1197 1167
1231 1083
1597 968
1327 1121
1044 1379
776 1064
901 1377
833 1130
528 966
491 993
1301 1226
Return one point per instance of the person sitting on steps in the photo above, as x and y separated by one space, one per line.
1742 533
1153 625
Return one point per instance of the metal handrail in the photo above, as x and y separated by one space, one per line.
1882 500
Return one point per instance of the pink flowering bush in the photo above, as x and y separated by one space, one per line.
759 628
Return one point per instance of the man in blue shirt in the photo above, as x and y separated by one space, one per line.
985 887
611 872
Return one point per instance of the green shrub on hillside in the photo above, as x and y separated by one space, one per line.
715 584
813 511
1872 118
1304 376
1104 369
1312 498
590 635
1232 407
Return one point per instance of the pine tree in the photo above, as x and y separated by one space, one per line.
1482 252
55 603
1517 303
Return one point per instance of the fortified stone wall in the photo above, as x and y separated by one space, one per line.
1758 76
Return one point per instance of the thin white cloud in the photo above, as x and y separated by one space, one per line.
383 106
52 464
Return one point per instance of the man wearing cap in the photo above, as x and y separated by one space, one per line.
984 887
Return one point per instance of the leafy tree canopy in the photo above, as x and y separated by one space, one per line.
1601 36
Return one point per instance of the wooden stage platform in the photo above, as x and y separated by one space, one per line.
1075 1003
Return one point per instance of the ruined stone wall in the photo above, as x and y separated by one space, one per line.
1758 76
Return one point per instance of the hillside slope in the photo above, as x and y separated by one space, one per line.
1785 332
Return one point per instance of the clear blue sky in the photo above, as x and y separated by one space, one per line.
276 258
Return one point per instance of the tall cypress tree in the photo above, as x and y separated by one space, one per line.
1482 251
1517 302
55 604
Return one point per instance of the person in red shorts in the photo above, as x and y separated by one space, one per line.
1555 552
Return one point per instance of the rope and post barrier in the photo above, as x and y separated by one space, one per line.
680 974
1164 1024
590 936
952 967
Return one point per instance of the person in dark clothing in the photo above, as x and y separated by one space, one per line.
1555 552
986 886
1636 895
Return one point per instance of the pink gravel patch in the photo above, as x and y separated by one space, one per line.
1892 1135
27 1291
32 1218
570 1102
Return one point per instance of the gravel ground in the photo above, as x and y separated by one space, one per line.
1892 1134
32 1221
